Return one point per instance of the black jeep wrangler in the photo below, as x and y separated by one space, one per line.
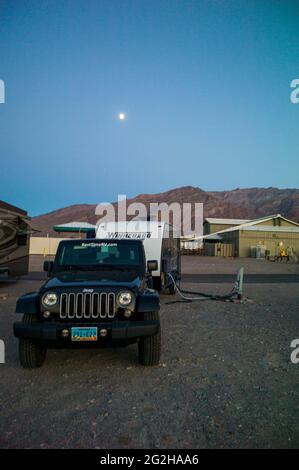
98 294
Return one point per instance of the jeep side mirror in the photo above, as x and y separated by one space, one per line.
152 265
48 266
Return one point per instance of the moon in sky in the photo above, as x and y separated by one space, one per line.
121 116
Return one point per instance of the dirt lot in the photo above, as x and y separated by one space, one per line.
225 378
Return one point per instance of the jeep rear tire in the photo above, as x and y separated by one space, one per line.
149 348
31 354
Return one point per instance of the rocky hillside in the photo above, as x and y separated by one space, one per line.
238 203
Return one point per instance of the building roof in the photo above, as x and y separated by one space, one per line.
74 227
214 220
260 220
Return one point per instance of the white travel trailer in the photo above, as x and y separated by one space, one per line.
161 243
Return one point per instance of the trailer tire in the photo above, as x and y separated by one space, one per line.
31 354
149 348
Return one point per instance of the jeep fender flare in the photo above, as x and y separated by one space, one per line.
28 303
148 302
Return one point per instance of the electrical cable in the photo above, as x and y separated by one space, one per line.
201 295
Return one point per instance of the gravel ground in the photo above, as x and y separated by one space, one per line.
225 378
216 265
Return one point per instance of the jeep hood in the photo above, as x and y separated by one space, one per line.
93 279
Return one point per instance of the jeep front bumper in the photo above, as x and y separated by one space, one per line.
116 331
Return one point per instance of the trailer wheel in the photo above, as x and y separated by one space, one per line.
31 354
149 348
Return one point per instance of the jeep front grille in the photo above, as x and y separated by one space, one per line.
87 306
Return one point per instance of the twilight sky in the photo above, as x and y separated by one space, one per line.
205 86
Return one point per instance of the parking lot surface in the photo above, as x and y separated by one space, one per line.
225 377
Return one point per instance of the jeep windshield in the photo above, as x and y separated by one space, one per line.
90 255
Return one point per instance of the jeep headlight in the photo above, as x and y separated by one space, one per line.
124 298
50 299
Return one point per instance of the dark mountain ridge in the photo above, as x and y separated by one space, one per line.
248 203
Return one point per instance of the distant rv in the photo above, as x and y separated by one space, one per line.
14 241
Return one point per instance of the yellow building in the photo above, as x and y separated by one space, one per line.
272 235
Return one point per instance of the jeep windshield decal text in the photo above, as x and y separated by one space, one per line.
93 244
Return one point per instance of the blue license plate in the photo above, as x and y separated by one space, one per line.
84 334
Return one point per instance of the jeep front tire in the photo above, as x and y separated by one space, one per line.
149 348
31 354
